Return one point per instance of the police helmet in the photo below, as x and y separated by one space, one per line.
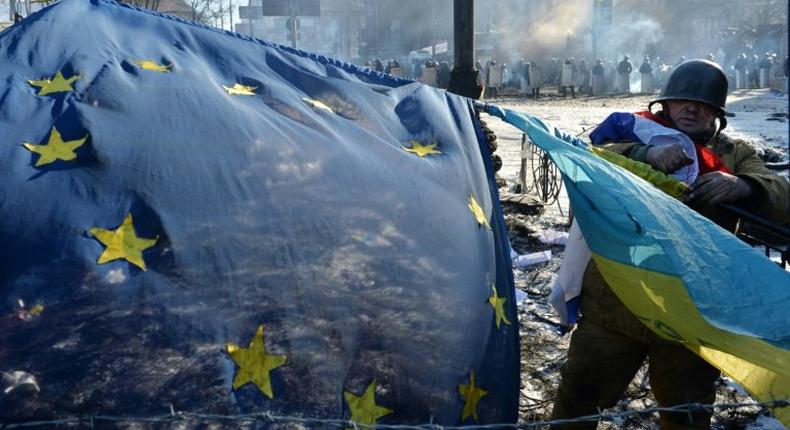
698 80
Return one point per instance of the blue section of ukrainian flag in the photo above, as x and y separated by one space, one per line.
168 189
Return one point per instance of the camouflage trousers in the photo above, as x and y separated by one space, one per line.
602 362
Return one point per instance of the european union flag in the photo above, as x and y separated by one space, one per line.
197 218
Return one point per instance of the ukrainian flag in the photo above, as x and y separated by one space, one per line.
196 218
683 276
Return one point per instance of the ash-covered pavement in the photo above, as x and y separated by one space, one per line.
760 117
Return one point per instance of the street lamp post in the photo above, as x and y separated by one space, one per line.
465 79
595 17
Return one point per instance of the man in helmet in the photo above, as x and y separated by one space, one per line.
646 70
428 76
493 79
583 77
567 77
765 71
610 344
741 70
598 78
535 77
754 71
624 70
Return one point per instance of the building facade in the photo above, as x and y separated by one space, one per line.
360 30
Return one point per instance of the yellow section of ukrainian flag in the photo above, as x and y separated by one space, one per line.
663 304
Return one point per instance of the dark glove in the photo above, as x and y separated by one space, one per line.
491 142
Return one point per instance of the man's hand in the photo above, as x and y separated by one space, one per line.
667 158
719 187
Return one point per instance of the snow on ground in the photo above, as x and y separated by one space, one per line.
753 121
543 349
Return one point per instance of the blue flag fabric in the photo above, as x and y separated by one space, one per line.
197 218
618 126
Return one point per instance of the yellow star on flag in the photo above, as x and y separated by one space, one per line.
421 150
477 211
240 90
317 104
58 84
364 409
254 364
498 303
472 396
55 148
123 243
151 65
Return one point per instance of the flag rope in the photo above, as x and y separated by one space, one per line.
176 416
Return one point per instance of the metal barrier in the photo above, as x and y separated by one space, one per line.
546 178
757 231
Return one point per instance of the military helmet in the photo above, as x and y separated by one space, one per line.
698 80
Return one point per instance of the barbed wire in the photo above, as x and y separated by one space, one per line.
179 416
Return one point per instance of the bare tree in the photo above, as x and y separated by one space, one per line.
770 11
147 4
212 12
